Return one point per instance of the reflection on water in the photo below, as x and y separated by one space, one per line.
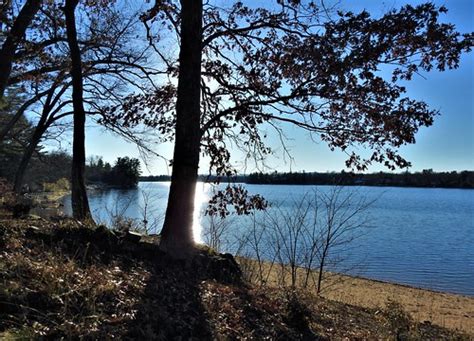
419 236
200 200
146 203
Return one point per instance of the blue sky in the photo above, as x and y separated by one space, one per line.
445 146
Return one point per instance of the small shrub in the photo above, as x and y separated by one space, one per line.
58 186
399 320
124 224
6 191
17 205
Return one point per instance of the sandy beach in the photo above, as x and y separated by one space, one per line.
444 309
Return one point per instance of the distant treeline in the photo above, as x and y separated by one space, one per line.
123 174
203 178
426 178
46 168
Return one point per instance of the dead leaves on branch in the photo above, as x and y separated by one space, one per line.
237 198
292 64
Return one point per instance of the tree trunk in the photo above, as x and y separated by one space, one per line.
322 263
320 274
11 123
25 160
177 234
16 34
80 204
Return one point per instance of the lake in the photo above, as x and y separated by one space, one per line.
422 237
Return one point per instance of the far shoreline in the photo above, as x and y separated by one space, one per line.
327 184
427 178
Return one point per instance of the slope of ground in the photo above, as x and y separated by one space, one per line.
64 280
452 311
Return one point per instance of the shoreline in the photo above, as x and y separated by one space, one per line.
48 204
450 310
407 286
327 184
444 309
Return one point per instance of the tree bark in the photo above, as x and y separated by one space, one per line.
80 203
14 119
16 34
177 234
28 153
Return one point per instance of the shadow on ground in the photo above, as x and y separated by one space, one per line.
71 281
64 280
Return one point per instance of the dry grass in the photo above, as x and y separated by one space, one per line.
451 311
54 291
65 280
446 310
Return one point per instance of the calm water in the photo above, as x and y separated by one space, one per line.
415 236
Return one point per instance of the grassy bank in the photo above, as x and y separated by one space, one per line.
63 279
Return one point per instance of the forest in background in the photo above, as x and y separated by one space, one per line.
49 167
211 78
425 178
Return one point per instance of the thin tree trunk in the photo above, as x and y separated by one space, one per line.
177 234
28 153
322 264
320 275
80 204
16 34
45 121
14 119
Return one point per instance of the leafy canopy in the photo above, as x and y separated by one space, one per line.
300 63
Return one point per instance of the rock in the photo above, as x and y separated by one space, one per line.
33 217
221 267
132 236
105 237
31 231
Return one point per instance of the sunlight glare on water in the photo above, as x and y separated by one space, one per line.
200 199
418 236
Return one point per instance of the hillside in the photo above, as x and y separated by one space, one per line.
63 279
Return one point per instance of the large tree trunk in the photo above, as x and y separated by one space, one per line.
177 234
16 34
80 204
